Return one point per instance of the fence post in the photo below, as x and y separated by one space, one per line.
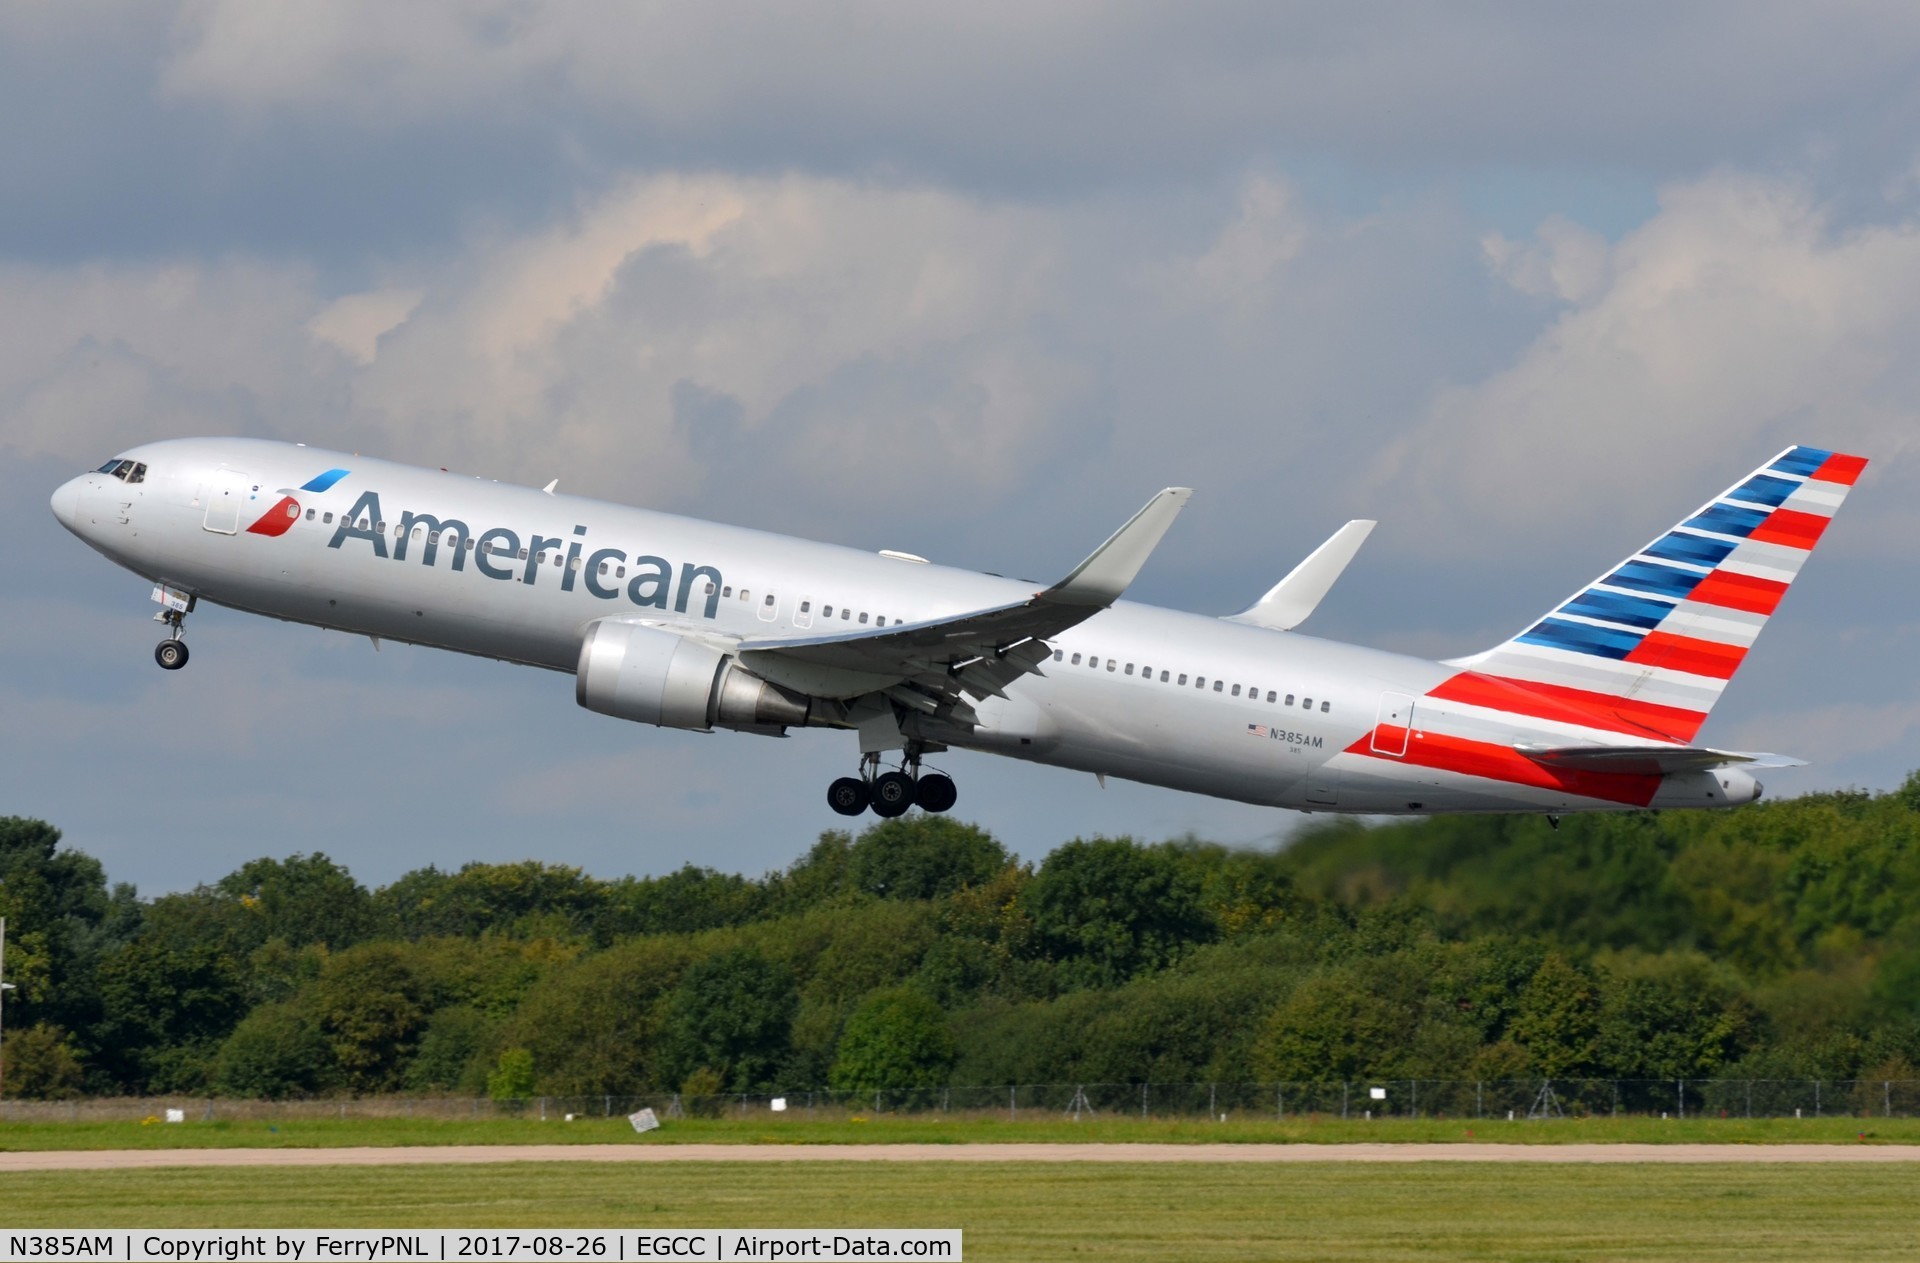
1479 1106
607 1106
1749 1098
1886 1089
1013 1104
1143 1102
1680 1097
1280 1102
1816 1098
1213 1099
1413 1097
1343 1100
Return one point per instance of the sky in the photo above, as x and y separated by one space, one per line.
1524 283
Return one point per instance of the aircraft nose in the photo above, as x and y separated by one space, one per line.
66 504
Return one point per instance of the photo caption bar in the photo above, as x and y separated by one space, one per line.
491 1245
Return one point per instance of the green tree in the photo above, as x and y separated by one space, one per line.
1557 1021
1671 1017
367 1003
301 900
275 1053
733 1012
1356 1021
455 1049
512 1077
923 857
896 1039
169 997
1110 908
41 1063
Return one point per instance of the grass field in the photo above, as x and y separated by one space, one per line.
941 1129
1054 1211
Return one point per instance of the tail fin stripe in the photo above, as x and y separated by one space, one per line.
1587 638
1805 461
1684 653
1739 592
1649 576
1618 607
1817 497
1726 519
1839 468
1796 530
1694 550
1564 704
1764 489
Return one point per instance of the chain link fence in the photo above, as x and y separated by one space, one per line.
1219 1102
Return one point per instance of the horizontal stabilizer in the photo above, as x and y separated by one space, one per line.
1650 760
1287 605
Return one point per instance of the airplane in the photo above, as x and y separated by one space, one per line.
695 625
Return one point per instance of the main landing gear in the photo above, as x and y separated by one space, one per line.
171 653
890 794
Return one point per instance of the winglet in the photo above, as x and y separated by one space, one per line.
1101 578
1289 602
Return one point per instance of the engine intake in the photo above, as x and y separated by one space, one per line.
654 676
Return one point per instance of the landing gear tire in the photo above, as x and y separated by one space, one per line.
849 796
892 794
935 793
170 654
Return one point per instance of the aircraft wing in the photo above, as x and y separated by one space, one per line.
1650 760
927 664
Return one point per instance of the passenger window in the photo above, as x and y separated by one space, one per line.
1076 659
327 518
1163 677
847 613
1236 690
863 616
573 563
379 528
1306 703
1199 681
744 594
806 607
523 554
1183 679
1326 708
1112 663
1269 695
1059 654
419 532
603 569
769 600
826 611
434 538
726 591
309 515
1289 699
1094 663
1217 684
1129 668
619 572
880 620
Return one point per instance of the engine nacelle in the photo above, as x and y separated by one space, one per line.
654 676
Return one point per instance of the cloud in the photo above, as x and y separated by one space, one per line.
1737 320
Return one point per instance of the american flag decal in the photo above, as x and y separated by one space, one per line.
1257 730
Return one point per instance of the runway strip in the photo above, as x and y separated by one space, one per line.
467 1155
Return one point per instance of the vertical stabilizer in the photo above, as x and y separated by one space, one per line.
1649 645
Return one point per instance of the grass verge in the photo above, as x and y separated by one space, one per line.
1055 1211
945 1129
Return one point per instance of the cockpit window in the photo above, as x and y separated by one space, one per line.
124 470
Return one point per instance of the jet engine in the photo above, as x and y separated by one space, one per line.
654 676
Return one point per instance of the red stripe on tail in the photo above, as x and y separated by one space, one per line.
1841 469
1685 653
1561 704
1790 527
1734 591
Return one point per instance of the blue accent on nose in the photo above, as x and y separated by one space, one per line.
323 481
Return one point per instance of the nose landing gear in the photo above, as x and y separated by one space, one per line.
890 794
171 653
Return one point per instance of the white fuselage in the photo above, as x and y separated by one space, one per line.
1179 700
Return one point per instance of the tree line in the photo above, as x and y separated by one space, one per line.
1776 941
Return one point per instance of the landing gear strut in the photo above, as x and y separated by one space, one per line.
171 653
891 794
